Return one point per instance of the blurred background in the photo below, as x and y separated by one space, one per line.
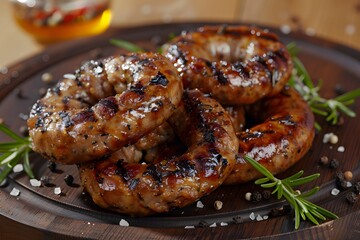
335 20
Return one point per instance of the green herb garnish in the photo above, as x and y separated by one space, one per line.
129 46
12 153
329 108
284 188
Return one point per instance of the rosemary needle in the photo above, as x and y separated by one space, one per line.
284 188
331 109
12 153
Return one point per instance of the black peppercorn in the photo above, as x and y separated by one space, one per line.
341 184
256 196
334 164
52 166
45 181
266 194
356 188
69 179
351 197
324 160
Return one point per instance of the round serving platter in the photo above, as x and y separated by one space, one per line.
72 214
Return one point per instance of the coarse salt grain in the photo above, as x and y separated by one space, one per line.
341 149
285 29
328 136
252 216
335 191
259 218
69 76
199 204
223 224
15 192
213 225
57 190
47 77
18 168
248 196
265 217
348 184
124 223
188 227
35 182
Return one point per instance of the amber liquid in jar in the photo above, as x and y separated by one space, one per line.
53 21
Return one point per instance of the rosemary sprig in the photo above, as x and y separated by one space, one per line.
284 188
12 153
129 46
331 109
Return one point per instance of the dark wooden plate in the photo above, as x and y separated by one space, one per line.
38 211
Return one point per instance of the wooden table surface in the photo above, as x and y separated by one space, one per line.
334 20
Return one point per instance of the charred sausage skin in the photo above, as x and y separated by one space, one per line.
236 64
106 105
283 136
143 189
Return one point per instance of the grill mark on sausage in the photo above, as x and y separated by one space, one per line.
107 107
84 116
159 79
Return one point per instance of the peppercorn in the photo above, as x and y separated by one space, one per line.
339 175
248 196
342 184
356 188
45 181
348 175
52 166
334 164
324 160
266 194
69 179
351 197
256 196
218 204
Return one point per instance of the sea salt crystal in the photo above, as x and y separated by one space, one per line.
285 29
124 223
69 76
57 190
199 204
252 216
213 225
35 182
188 227
18 168
341 149
327 137
265 217
15 192
223 224
259 218
335 191
348 184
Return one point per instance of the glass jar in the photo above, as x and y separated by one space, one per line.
57 20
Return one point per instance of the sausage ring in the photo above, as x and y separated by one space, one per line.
284 136
106 105
236 64
143 189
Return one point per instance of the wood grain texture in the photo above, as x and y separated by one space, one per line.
38 212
